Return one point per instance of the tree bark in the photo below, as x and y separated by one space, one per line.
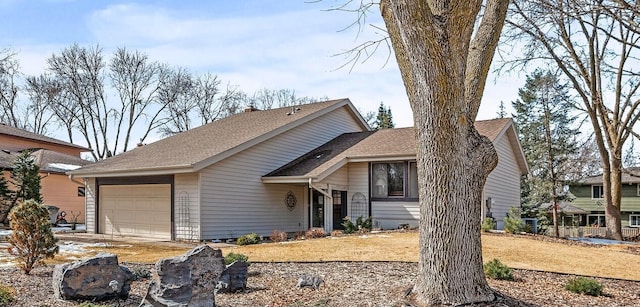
444 73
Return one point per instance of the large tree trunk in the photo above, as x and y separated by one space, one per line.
613 198
444 74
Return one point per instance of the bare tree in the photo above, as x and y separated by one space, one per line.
11 111
80 70
136 79
44 93
211 103
444 50
595 44
175 92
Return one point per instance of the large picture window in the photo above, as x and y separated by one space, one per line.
394 180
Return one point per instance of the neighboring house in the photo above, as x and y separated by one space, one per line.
285 169
55 158
588 196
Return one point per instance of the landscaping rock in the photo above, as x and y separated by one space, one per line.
234 277
187 280
98 278
307 280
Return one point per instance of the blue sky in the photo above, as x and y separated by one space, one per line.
251 44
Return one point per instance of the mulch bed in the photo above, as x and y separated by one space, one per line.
346 284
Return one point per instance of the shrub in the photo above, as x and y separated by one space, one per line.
315 233
300 235
7 295
32 240
488 224
586 286
513 222
496 270
278 236
140 272
233 257
252 238
361 225
337 233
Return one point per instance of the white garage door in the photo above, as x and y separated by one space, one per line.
136 210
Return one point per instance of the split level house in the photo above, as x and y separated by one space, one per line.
287 169
587 206
55 158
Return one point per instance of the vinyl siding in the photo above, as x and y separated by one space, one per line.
389 215
630 200
186 206
90 205
503 184
339 177
358 183
236 202
57 190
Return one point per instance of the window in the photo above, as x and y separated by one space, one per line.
81 191
596 192
394 180
634 220
596 220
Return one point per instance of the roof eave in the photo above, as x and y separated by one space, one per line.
151 171
286 179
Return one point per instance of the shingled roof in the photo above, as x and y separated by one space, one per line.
13 131
47 160
197 148
385 143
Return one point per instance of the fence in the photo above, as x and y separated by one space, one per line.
592 232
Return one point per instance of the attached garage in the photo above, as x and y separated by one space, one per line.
141 210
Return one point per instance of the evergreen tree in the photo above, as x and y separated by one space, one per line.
25 178
548 137
384 119
502 110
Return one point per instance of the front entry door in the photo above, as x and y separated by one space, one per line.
339 208
317 213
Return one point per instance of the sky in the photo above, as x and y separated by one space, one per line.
251 44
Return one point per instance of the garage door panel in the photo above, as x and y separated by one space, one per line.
136 210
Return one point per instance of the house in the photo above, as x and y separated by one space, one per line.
55 158
587 195
284 169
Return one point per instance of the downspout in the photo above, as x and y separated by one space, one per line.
76 181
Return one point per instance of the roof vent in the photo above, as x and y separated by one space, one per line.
293 110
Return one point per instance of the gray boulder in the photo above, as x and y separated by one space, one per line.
97 278
187 280
234 277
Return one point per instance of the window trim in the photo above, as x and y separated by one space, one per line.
637 220
599 215
405 182
601 191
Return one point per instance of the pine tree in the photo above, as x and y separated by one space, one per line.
384 119
502 110
26 178
548 138
32 240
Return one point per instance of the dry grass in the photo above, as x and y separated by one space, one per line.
515 251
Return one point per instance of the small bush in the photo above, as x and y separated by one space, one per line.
315 233
7 295
300 235
32 240
488 224
278 236
496 270
513 222
361 225
586 286
252 238
233 257
337 233
140 273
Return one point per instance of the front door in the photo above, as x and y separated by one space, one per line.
317 212
339 208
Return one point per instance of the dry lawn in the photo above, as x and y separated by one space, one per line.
524 252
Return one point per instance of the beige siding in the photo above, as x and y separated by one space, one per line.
90 205
503 184
358 183
339 177
57 190
389 215
236 202
186 206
